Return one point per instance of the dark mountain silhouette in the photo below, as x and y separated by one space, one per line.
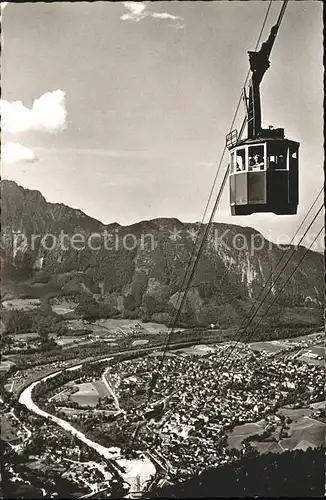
295 474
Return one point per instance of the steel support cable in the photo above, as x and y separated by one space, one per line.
264 298
236 112
284 266
278 294
281 14
272 275
181 297
279 21
193 270
289 277
241 334
223 153
184 295
275 298
231 126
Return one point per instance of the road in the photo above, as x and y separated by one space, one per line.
109 388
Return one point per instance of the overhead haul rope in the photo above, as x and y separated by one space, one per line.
223 152
207 228
277 295
242 333
219 166
236 112
224 149
272 275
289 277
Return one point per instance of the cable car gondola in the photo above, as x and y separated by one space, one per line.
264 166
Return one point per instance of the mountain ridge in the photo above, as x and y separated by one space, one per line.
140 275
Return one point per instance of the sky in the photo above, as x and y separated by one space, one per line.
121 109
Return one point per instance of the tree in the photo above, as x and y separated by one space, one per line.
17 321
23 491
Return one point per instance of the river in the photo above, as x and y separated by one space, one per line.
141 468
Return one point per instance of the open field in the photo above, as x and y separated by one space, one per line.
157 353
295 413
306 430
307 354
313 355
129 325
140 342
272 346
26 336
63 306
67 341
5 365
319 350
153 328
319 406
21 304
303 432
197 350
76 324
240 432
101 389
310 361
88 393
62 310
93 411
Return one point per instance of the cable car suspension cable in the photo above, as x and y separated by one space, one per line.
222 156
289 277
264 298
176 317
273 284
277 295
272 275
207 228
236 113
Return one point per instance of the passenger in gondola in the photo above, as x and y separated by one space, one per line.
240 165
251 162
259 163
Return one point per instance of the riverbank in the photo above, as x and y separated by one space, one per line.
137 472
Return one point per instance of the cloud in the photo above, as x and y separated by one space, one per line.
13 152
165 15
136 11
47 114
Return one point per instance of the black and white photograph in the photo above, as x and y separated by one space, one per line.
162 250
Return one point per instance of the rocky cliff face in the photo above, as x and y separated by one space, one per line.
138 270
